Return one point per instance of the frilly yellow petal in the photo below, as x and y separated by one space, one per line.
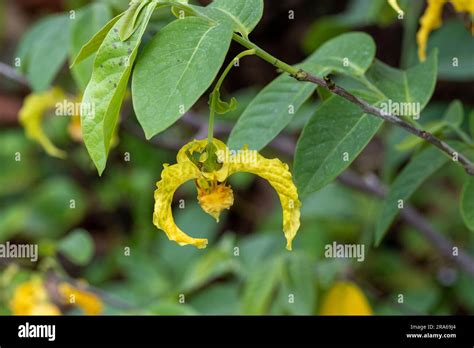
395 6
171 178
345 298
32 113
431 19
277 174
31 298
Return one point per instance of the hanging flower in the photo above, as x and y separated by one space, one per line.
31 298
31 116
209 165
345 298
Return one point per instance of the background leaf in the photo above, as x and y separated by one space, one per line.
88 21
44 51
77 246
421 167
181 73
274 107
467 203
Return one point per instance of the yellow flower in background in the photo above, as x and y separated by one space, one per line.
31 298
345 298
210 165
88 302
432 19
32 113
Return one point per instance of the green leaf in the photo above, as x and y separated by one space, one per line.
95 42
259 287
77 246
299 281
412 141
88 21
130 24
471 123
339 130
274 107
334 136
175 69
43 52
453 40
421 167
222 107
455 114
467 203
244 14
106 89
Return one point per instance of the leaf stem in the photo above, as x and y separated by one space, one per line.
302 75
219 83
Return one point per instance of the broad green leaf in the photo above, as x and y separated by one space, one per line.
339 130
88 21
456 54
170 77
44 51
298 281
259 287
244 14
95 42
274 107
106 89
455 114
414 85
467 203
130 23
421 167
334 136
77 246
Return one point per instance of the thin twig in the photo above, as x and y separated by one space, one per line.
12 74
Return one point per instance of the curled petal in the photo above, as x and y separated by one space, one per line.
171 178
430 20
32 113
277 174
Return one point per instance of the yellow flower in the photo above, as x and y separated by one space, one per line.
32 113
432 19
345 298
87 301
31 298
210 166
395 6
